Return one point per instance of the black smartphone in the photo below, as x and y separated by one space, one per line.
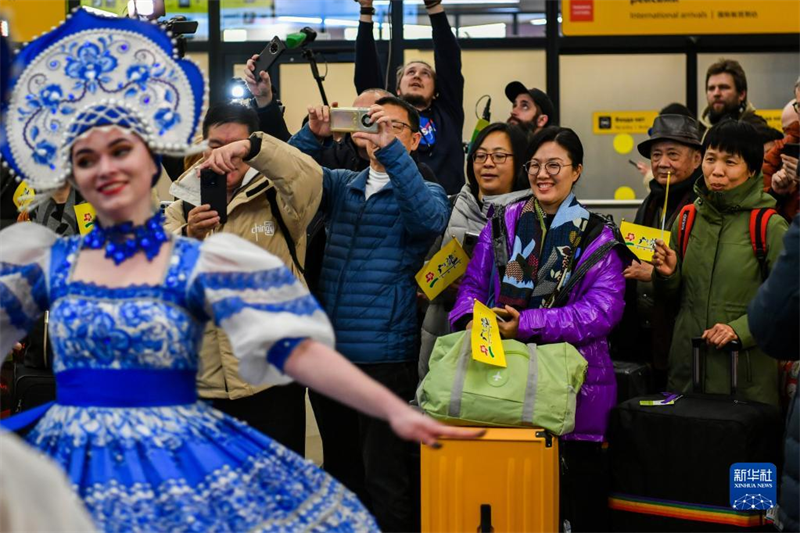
470 240
214 192
269 55
791 149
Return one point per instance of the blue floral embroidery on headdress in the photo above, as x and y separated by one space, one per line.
92 71
90 64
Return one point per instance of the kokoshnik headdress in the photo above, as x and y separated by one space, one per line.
94 70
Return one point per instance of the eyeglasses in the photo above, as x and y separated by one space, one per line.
795 105
398 126
498 158
552 167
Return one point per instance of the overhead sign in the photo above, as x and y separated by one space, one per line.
679 17
615 122
772 116
27 19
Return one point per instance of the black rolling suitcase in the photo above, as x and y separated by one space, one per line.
32 387
633 379
34 383
671 464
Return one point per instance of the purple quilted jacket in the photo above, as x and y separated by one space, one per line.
594 307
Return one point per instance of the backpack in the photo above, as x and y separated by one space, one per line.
759 220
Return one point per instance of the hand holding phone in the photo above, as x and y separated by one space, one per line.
214 192
269 55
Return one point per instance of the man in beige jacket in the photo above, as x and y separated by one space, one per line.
272 198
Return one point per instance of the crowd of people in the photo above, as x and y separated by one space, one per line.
310 273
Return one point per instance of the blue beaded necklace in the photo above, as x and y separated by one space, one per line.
123 241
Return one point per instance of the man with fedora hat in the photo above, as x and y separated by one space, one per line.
674 150
530 108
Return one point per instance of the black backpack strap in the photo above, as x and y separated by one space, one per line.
499 241
581 271
272 198
593 230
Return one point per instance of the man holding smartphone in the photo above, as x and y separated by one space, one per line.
381 223
780 163
271 193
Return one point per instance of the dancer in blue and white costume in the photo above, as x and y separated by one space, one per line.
94 101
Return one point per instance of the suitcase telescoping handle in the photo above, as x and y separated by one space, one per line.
486 519
698 364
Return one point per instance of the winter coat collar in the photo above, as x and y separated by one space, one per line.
705 118
747 196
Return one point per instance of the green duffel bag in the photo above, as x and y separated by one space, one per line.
538 388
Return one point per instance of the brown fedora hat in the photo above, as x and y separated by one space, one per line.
678 128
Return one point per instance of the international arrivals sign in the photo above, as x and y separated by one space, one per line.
679 17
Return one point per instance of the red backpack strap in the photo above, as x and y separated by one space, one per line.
759 220
686 221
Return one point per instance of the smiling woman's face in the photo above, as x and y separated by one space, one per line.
493 176
113 171
556 174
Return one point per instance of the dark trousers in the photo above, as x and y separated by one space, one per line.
278 412
367 457
584 486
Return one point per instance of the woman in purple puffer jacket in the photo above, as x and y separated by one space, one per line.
549 240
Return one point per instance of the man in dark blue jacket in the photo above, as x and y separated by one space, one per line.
773 318
438 94
381 222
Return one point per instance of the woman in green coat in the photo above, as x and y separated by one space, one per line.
719 274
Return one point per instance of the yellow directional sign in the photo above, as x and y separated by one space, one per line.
679 17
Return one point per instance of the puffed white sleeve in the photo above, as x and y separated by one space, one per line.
257 301
24 264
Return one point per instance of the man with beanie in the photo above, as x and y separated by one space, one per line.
530 108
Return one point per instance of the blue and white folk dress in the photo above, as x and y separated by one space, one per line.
139 448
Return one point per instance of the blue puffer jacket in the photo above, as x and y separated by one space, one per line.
374 249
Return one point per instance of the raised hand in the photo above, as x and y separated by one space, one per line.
385 134
665 260
226 158
258 83
319 121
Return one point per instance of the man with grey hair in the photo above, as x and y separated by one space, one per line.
437 94
674 152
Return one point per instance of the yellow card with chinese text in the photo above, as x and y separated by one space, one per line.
641 240
84 214
23 195
444 268
487 346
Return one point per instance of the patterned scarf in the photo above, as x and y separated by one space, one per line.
542 259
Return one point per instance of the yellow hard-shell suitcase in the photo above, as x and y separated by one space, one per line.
505 481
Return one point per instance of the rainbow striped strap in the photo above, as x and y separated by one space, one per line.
685 511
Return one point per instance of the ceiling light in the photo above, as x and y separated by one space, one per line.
300 20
